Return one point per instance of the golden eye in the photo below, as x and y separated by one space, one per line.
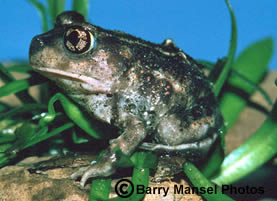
78 40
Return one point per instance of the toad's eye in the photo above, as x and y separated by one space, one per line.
77 40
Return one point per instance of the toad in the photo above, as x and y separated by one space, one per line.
148 91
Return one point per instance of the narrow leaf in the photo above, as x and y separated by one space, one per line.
20 68
42 134
257 150
200 181
5 75
252 64
17 86
81 6
42 11
22 109
231 54
74 113
55 7
100 189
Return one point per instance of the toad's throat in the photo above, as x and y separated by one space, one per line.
95 85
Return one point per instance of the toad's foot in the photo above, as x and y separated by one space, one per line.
106 165
99 169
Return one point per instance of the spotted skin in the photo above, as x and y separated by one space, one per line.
155 94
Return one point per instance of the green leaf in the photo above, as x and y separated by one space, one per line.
256 151
4 159
20 68
231 54
100 189
138 159
20 110
255 57
77 139
123 159
250 84
200 181
140 177
6 139
55 7
43 14
17 86
23 135
214 161
43 134
216 70
144 160
23 96
252 64
81 6
212 66
74 113
5 75
9 126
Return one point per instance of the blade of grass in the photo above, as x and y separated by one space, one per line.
23 96
5 74
55 7
200 181
207 64
256 56
254 86
140 177
17 86
4 106
81 6
100 189
23 135
213 162
144 160
4 158
256 151
234 72
252 64
43 14
43 135
23 109
217 69
9 126
20 68
6 139
231 54
74 113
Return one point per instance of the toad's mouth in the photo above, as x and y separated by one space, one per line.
91 84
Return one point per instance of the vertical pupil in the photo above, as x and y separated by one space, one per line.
74 38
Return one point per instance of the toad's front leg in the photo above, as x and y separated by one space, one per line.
106 165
